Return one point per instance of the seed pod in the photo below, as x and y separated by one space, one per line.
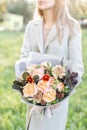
59 95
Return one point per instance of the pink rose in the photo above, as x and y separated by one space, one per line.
42 86
39 72
31 68
60 86
52 81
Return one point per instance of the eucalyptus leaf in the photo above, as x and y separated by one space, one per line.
23 82
17 87
36 78
15 82
25 75
45 71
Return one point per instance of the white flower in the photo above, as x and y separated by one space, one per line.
58 71
46 64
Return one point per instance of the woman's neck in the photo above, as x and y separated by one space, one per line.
48 18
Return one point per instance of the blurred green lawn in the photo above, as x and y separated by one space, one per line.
12 111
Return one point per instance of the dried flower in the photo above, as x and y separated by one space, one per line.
59 95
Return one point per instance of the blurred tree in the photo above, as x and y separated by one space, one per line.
21 7
3 9
78 7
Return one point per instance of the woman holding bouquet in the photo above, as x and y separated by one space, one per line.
55 33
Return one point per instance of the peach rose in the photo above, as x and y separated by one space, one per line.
42 86
60 86
49 96
30 90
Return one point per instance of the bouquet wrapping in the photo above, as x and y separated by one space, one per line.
44 81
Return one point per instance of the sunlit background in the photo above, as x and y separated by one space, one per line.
14 16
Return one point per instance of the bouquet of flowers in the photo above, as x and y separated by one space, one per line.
44 84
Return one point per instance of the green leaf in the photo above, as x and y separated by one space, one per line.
15 82
23 82
25 75
18 88
55 101
36 78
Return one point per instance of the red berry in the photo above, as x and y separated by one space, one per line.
45 77
30 79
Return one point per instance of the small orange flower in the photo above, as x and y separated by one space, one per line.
45 77
49 96
30 79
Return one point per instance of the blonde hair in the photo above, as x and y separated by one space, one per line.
61 16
